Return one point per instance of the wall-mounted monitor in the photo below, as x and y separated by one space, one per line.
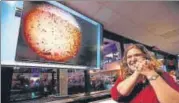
50 33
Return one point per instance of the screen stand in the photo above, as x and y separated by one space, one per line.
87 82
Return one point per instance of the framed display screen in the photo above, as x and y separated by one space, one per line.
53 33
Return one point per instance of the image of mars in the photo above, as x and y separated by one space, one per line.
52 33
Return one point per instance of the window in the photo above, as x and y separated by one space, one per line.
102 79
111 54
76 81
30 83
159 56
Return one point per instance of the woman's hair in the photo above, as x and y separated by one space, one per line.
125 71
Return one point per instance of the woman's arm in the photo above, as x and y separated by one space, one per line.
126 86
164 92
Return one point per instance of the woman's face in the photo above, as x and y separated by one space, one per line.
134 55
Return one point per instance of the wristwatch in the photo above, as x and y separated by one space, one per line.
153 77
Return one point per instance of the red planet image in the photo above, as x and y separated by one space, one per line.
52 33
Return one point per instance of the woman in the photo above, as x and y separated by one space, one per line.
141 80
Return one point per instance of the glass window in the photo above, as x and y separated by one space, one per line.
159 56
76 81
111 54
30 83
102 79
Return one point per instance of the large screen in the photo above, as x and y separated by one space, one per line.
52 33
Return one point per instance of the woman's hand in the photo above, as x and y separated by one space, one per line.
145 67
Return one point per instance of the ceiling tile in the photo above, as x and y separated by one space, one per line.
136 32
89 8
174 37
161 24
171 34
176 43
122 7
103 14
171 48
120 24
103 1
114 17
145 10
173 7
141 35
148 39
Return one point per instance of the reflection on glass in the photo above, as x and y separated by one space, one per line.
31 83
102 80
111 53
76 81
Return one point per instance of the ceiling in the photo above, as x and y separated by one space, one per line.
154 23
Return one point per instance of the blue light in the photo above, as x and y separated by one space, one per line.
9 29
99 47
